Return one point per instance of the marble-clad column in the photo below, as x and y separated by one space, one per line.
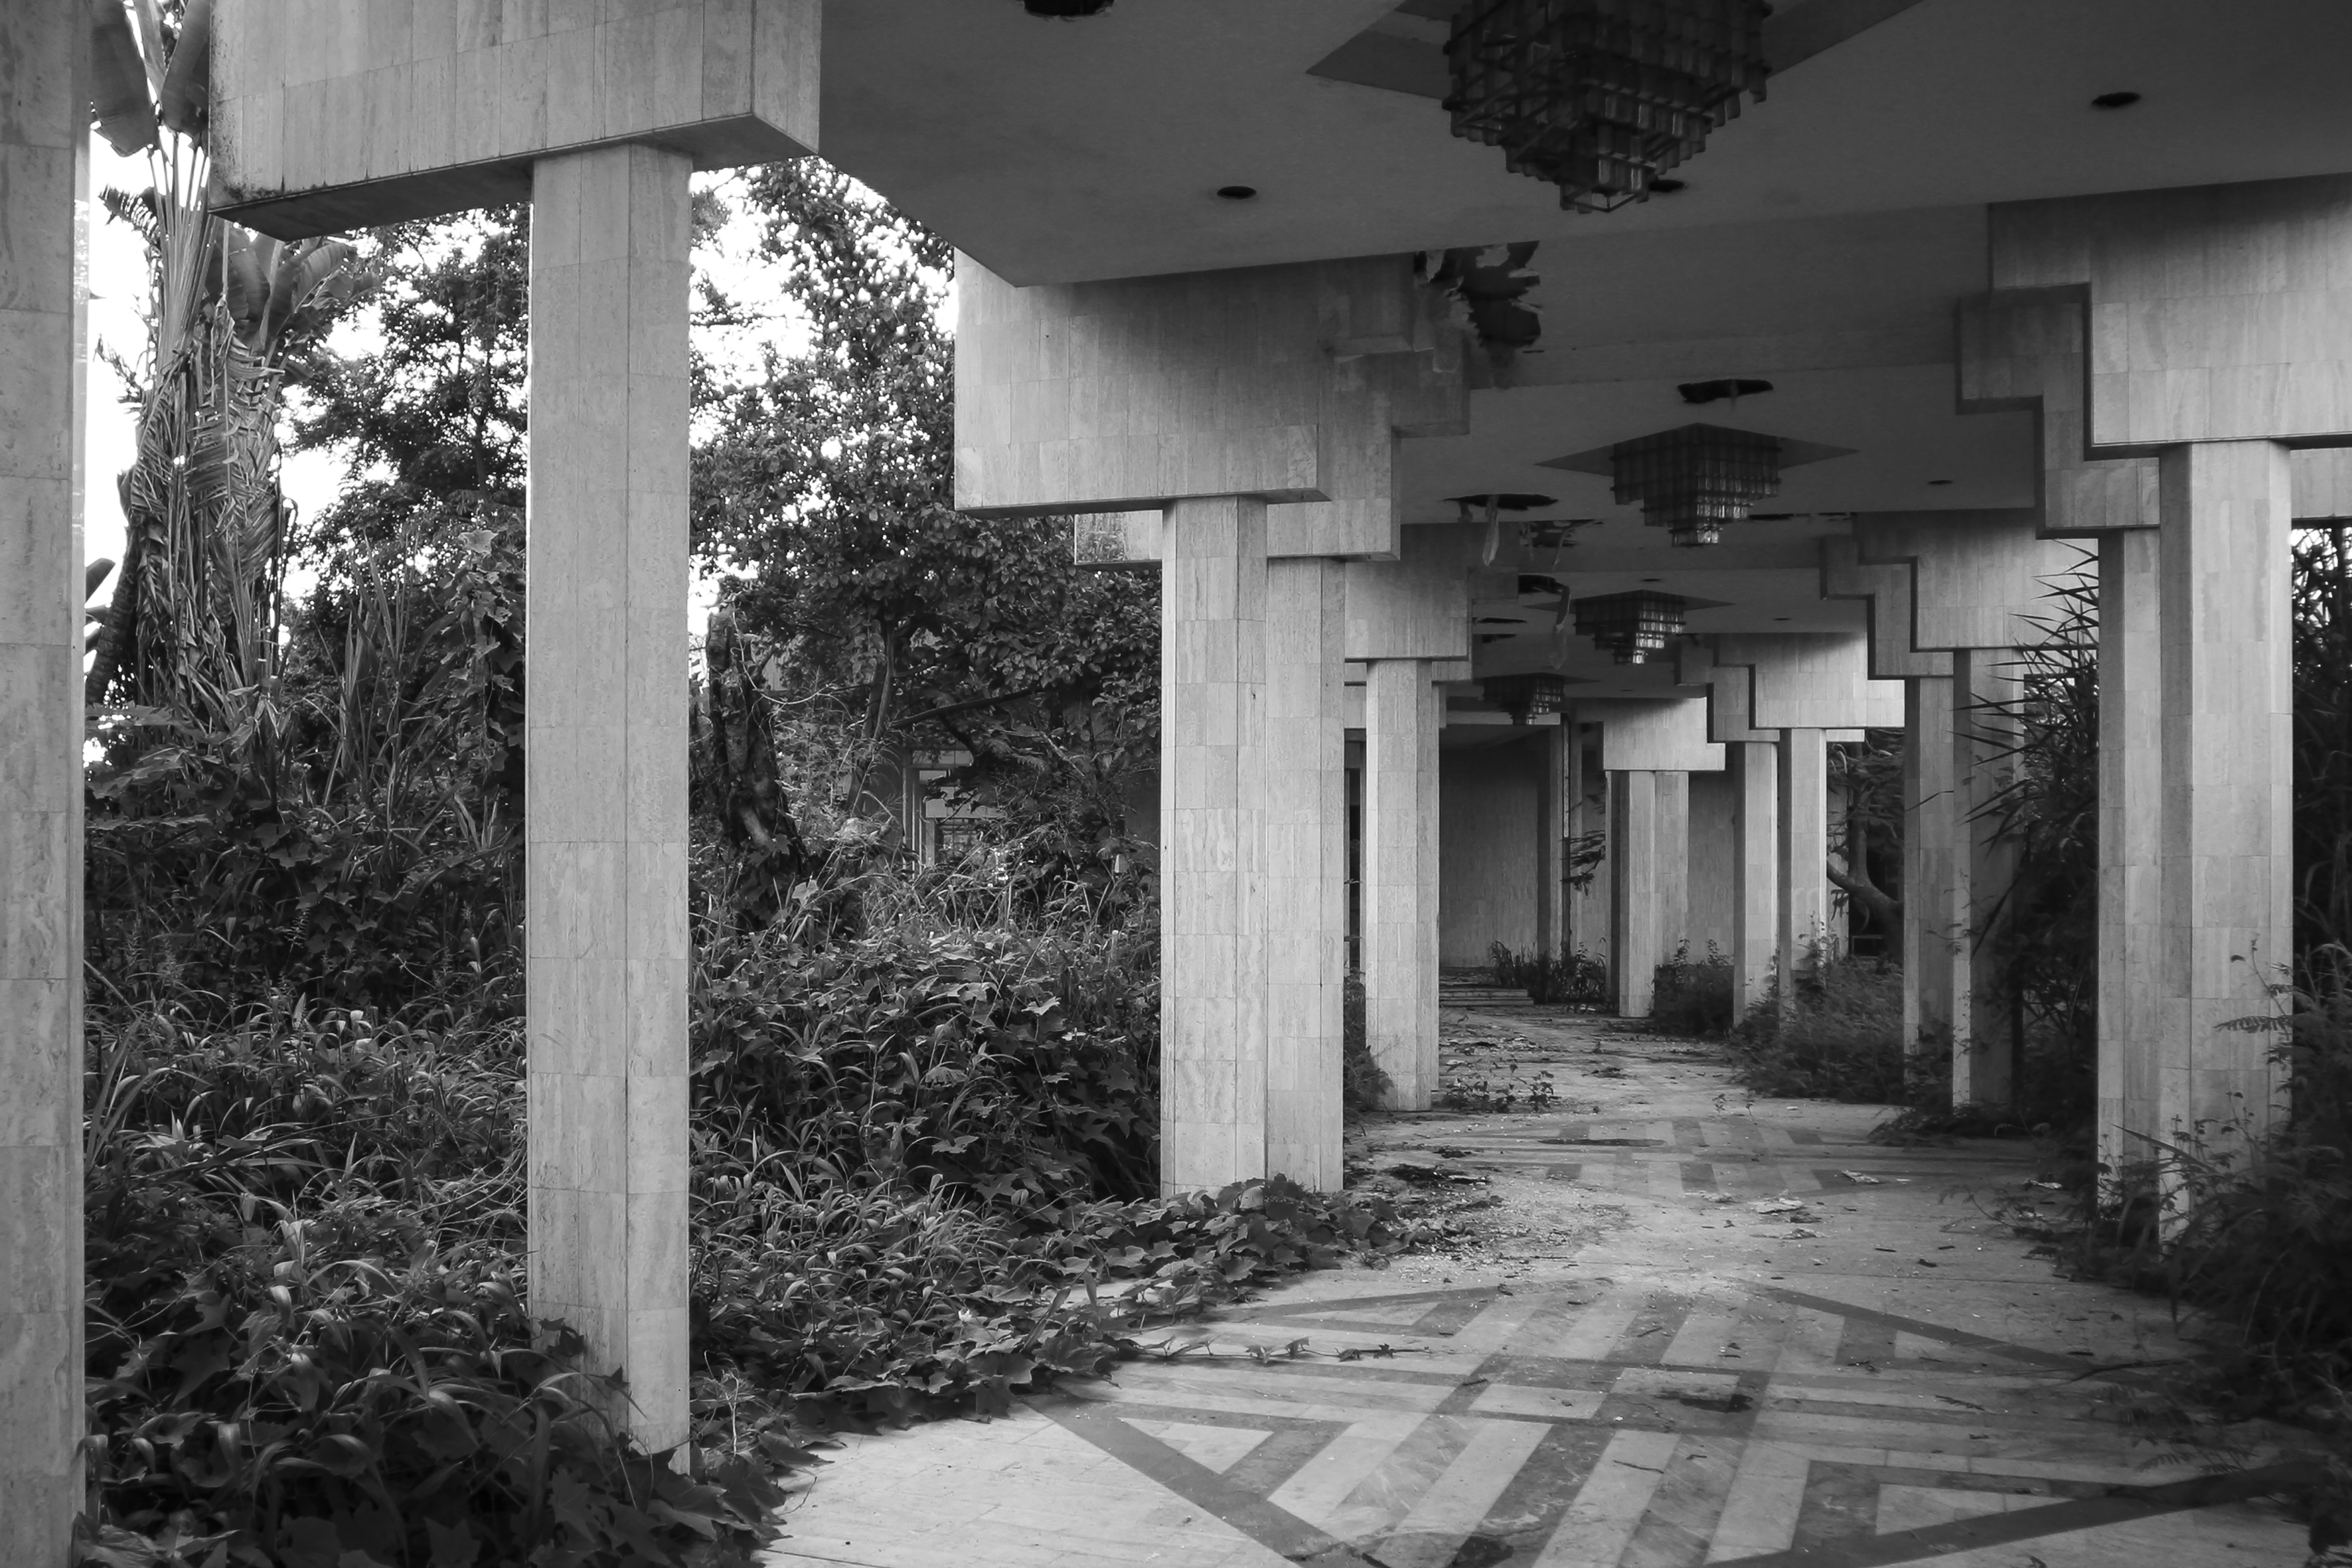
1306 833
2131 910
1551 747
2227 795
605 861
1673 896
1636 878
1803 925
1402 714
1754 870
1985 1052
1213 1009
43 193
1935 877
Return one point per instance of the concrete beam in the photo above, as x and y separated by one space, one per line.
1292 383
327 117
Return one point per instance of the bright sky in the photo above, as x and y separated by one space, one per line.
118 306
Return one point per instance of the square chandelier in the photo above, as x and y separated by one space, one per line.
1633 628
1693 481
1602 97
1524 696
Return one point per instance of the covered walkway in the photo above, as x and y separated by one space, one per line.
1782 1343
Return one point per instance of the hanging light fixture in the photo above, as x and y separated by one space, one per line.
1524 696
1692 480
1635 627
1602 97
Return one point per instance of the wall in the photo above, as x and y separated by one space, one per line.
1487 888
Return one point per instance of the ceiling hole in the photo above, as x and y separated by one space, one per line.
1238 193
2114 101
1667 187
1779 617
1939 481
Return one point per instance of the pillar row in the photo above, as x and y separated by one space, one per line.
606 855
1306 829
1802 927
1402 714
1214 991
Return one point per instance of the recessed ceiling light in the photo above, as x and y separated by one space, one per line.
1939 481
2114 101
1238 193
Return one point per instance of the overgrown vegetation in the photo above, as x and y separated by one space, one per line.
925 1096
1571 977
1692 995
1842 1040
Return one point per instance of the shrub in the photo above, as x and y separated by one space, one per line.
1843 1042
307 1342
1692 995
1571 977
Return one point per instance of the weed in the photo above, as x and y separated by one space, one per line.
1572 978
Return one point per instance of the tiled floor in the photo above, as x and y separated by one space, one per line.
1879 1376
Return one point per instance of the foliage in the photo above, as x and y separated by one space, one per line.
307 1331
1692 995
1572 977
1867 845
2323 738
1843 1041
307 1344
365 857
821 490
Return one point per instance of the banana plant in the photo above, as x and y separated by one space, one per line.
192 628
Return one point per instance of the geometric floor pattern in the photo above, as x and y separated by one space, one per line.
1631 1425
1787 1345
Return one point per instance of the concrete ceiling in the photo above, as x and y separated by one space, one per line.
1055 151
1822 242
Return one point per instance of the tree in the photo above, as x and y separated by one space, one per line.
822 492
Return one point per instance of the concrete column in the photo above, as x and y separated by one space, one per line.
1551 748
606 820
1754 870
2131 910
1306 869
1586 789
1674 861
1985 1061
44 186
1213 992
1636 877
1802 930
1935 877
1402 712
2228 776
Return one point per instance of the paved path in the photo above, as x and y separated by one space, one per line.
1787 1345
